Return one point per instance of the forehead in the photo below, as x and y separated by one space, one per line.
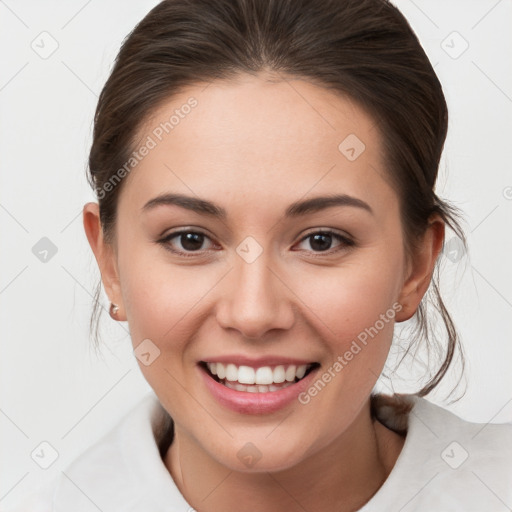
254 138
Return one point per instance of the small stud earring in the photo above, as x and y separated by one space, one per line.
114 308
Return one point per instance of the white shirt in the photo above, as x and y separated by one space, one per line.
446 464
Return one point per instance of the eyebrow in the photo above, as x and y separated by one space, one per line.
296 209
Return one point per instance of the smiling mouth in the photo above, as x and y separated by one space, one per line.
257 380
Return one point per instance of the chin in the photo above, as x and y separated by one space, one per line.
262 456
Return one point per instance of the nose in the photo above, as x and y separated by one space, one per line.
255 299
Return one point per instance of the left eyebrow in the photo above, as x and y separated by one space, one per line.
296 209
316 204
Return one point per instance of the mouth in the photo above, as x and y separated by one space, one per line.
263 379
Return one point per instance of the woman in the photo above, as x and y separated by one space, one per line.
265 174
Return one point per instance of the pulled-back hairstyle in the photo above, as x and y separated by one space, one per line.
361 49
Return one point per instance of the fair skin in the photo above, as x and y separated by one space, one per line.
254 147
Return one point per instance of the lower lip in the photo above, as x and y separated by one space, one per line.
256 403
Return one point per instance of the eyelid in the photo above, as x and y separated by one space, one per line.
347 241
329 231
164 240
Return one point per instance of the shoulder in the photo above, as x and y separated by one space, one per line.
446 461
118 472
481 440
403 412
39 500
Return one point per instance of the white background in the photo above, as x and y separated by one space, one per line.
53 386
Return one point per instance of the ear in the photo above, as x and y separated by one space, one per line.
105 256
420 268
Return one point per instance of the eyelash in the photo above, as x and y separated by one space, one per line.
346 242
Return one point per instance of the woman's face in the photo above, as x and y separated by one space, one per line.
257 282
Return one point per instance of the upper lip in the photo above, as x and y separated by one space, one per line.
242 360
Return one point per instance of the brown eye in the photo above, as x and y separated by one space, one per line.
321 241
187 242
191 241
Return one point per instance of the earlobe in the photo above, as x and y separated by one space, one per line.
104 254
421 269
114 309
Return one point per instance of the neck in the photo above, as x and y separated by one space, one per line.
341 476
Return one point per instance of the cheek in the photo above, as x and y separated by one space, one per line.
354 314
162 303
162 299
157 301
352 296
145 290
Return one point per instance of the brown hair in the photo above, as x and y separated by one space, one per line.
363 49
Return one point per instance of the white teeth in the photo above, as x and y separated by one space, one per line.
290 373
231 372
279 374
301 371
246 375
221 371
255 388
263 377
